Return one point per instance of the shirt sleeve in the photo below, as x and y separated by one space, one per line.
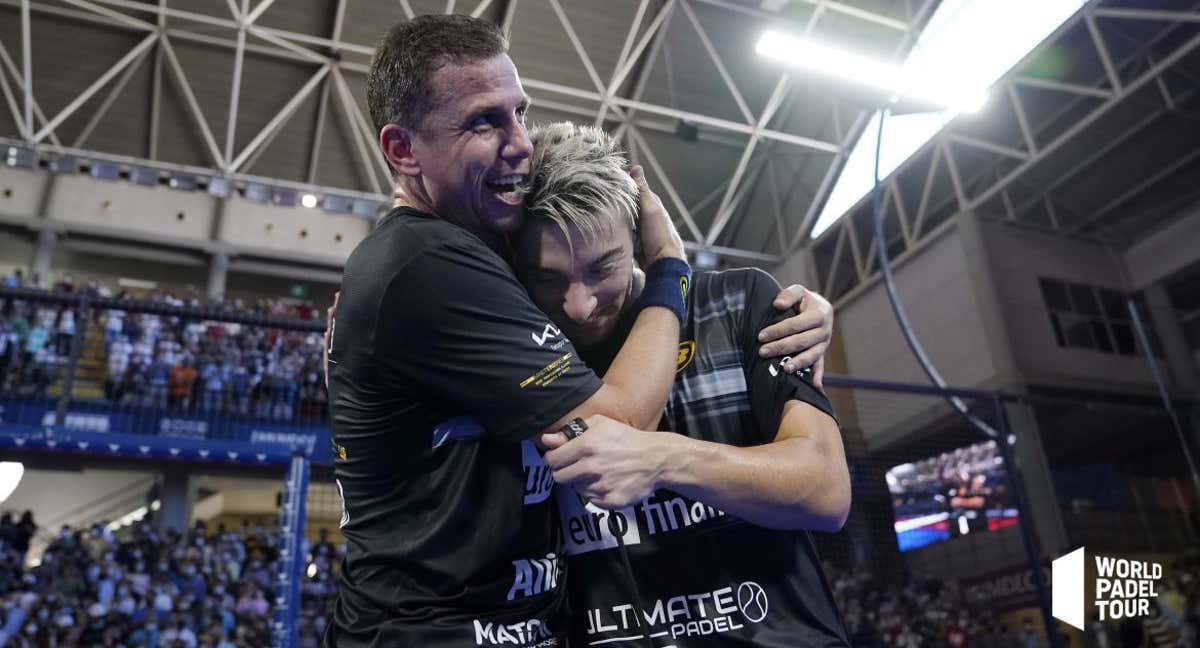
769 386
466 335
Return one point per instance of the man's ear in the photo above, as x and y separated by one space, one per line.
397 144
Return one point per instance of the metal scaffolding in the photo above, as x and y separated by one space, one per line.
333 59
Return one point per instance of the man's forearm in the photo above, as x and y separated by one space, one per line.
789 484
643 372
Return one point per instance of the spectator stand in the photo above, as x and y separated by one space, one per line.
159 380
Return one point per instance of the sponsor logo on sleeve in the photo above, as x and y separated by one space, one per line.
548 333
546 376
687 351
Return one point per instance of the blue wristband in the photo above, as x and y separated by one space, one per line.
667 284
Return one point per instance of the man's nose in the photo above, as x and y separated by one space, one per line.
579 302
519 146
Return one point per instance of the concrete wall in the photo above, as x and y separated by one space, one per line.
80 204
20 192
311 234
937 292
154 214
1018 259
1165 251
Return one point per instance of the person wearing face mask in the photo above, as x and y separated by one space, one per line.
442 371
717 507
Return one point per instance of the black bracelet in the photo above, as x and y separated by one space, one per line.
574 428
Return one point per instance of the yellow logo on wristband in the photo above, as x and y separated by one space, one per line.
683 286
687 351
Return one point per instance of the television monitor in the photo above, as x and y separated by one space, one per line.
953 494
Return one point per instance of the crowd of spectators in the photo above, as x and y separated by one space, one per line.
169 362
134 587
926 612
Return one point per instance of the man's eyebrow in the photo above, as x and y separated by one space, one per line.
482 107
611 255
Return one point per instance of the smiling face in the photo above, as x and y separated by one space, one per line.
583 284
472 150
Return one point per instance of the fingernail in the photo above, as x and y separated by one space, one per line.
764 351
636 172
789 367
761 336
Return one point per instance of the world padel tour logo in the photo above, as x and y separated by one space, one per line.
1122 588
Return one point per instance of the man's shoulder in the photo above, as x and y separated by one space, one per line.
407 235
729 291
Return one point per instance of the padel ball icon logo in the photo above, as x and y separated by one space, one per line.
752 601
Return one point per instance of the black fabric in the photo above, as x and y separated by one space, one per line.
705 577
440 368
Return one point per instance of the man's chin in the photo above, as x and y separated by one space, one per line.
505 221
588 336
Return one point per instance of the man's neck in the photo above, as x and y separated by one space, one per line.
498 244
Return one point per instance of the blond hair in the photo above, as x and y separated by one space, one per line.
579 177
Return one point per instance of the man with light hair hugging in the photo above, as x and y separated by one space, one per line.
698 533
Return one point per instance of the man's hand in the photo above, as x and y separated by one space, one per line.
659 239
325 339
804 336
611 465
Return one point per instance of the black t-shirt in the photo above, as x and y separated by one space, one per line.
706 578
440 368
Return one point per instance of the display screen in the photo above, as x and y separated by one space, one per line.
952 494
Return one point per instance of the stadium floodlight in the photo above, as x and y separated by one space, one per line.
899 83
284 198
144 176
308 200
257 192
20 158
365 208
336 204
704 259
219 187
182 182
63 164
102 170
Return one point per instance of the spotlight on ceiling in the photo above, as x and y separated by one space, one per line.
308 200
704 259
182 182
257 192
102 170
63 164
899 84
336 204
20 158
365 208
285 198
219 187
143 176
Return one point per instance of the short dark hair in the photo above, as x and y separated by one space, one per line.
398 83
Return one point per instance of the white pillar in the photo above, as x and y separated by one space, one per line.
218 268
